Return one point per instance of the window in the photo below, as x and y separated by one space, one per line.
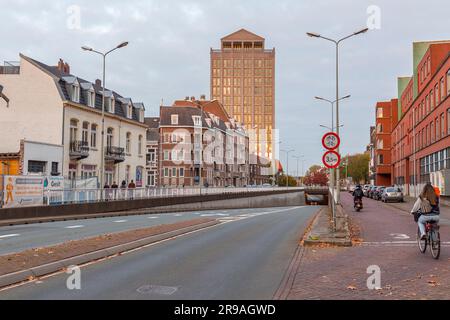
85 133
140 145
174 119
166 172
174 172
197 120
448 82
127 174
151 155
75 93
36 166
181 172
379 112
112 104
130 111
448 121
128 143
93 136
91 98
442 125
54 168
73 130
442 89
436 95
109 137
166 155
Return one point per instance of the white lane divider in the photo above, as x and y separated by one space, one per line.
400 236
252 215
74 227
214 214
120 221
177 215
152 217
9 235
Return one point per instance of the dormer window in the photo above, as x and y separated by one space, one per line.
141 115
75 93
112 103
197 120
91 98
174 119
129 111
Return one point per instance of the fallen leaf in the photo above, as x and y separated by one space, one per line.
351 287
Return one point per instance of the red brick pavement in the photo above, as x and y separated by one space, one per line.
340 273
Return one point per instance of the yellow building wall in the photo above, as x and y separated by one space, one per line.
10 167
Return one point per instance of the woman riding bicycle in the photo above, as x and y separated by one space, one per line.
427 205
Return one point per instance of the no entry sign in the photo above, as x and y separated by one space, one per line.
331 159
330 141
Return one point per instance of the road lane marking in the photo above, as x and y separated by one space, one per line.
9 235
400 236
120 221
152 217
397 243
74 227
177 215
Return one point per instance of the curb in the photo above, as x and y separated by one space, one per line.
45 269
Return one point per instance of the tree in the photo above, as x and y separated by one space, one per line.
316 175
281 181
358 167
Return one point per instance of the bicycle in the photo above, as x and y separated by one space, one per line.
432 238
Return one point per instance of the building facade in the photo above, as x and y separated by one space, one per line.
243 80
51 106
152 159
386 119
201 145
420 149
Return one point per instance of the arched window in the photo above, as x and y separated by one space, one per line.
73 130
109 137
85 133
128 143
93 135
140 145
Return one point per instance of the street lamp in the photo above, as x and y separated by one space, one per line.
327 127
102 145
287 164
332 107
298 158
337 42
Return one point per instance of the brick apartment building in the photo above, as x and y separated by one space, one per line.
420 150
191 126
386 119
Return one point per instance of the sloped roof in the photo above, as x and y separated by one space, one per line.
243 35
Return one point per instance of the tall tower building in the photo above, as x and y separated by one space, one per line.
243 80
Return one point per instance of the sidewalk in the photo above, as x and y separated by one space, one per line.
386 238
409 203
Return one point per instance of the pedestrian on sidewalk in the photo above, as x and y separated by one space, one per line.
114 186
426 208
131 187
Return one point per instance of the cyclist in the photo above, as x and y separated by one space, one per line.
428 205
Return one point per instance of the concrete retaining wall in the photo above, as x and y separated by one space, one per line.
228 200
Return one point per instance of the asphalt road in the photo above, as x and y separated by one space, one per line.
21 237
245 257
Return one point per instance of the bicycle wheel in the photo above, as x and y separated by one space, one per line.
435 243
422 243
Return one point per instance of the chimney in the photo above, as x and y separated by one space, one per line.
61 65
98 83
66 67
192 98
187 98
203 97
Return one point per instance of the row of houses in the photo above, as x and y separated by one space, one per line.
410 142
52 125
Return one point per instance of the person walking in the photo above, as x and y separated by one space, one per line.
114 186
426 208
131 187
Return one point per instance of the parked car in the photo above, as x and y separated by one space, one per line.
392 194
366 189
370 191
351 188
378 192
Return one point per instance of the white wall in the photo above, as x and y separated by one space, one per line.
35 108
42 152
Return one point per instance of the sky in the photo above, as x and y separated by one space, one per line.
169 45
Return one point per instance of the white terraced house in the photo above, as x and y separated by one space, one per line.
51 106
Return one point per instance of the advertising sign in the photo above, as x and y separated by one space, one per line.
331 159
53 189
138 177
23 191
331 141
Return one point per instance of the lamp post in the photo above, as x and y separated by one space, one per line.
287 165
337 42
102 144
298 158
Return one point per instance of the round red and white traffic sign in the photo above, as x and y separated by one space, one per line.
331 141
331 159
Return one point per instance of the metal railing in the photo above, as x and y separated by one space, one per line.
62 196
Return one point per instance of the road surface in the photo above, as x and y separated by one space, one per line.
245 257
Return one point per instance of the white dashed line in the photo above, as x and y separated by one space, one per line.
9 235
74 227
152 217
177 215
120 221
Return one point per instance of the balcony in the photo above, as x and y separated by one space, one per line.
115 154
78 150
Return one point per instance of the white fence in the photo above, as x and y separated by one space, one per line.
52 197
